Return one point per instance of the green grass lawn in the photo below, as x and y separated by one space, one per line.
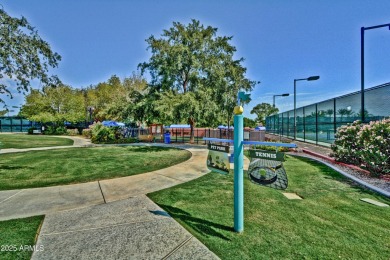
329 223
17 237
31 141
76 165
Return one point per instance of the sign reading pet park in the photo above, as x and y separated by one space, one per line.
218 158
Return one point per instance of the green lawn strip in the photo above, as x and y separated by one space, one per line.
76 165
21 141
329 223
17 237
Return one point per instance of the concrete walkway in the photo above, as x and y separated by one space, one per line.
110 219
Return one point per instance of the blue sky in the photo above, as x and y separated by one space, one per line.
281 40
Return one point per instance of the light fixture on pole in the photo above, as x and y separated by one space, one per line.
362 29
295 100
281 95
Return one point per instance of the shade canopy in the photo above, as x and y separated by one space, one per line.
179 126
112 123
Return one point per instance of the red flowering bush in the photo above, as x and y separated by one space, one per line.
365 145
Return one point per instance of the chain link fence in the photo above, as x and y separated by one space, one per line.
317 123
16 124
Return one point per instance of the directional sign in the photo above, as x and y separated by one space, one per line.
266 168
218 158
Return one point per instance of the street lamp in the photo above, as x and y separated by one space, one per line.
281 95
90 109
295 101
362 29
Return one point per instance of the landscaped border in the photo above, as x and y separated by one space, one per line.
347 175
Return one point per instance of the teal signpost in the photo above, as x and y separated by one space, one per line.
239 143
238 173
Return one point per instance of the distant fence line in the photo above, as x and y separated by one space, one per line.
16 124
20 124
182 135
178 135
318 122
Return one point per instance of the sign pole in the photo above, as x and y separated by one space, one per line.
238 170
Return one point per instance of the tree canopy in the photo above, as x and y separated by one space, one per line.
194 76
24 56
263 110
114 99
54 104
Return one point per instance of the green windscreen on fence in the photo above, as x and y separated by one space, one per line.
318 122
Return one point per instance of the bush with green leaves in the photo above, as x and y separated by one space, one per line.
30 131
102 134
374 140
107 135
55 130
87 132
72 132
273 148
346 143
366 145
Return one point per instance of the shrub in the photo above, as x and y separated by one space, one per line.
346 143
87 133
102 134
55 130
365 145
374 140
107 135
30 131
72 132
273 148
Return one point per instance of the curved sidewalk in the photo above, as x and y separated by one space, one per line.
41 201
110 219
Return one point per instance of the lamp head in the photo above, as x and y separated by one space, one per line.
313 78
285 95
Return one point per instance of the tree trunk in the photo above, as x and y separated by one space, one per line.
192 125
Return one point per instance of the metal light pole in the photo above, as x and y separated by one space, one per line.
362 29
295 101
281 95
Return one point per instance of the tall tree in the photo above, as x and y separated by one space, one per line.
23 54
191 63
263 110
55 104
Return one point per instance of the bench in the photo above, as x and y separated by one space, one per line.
145 138
36 131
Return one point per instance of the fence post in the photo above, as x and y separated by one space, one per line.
316 125
304 124
334 117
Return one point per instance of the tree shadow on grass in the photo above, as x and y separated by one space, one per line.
13 167
202 226
147 149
